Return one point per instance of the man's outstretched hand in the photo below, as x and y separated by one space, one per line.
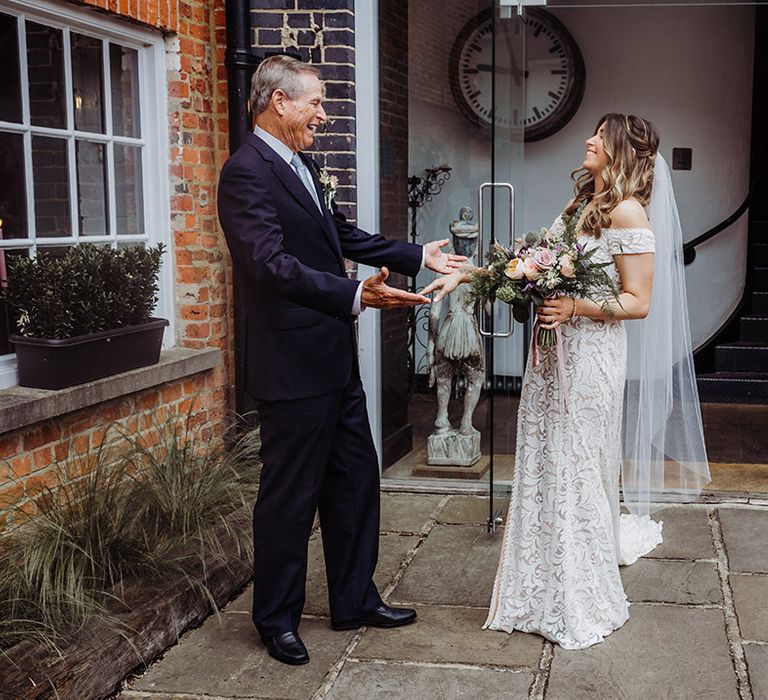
438 261
379 295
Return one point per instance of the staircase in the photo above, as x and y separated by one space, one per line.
741 364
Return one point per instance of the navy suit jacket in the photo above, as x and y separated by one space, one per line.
288 259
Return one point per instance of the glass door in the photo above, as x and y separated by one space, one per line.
500 102
501 205
448 376
695 69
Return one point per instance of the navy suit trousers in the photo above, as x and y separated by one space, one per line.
318 455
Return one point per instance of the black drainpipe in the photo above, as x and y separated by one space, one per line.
240 62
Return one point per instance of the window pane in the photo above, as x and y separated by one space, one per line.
87 83
51 177
10 80
124 73
91 189
13 200
128 201
45 60
7 324
54 251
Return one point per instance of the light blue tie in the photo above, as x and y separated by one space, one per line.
300 169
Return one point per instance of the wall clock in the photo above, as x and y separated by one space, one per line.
547 62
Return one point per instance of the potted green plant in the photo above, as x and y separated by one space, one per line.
85 314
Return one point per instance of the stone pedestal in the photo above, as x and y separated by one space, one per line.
453 448
450 471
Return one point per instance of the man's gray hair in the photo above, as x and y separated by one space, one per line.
278 72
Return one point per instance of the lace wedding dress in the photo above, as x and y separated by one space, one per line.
558 573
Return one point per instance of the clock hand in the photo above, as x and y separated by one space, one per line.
487 68
511 52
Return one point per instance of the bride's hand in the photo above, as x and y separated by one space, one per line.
445 284
555 311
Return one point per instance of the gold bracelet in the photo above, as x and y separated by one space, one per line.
573 311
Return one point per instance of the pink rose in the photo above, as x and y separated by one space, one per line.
514 269
544 258
566 266
530 270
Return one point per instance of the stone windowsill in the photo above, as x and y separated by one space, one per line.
22 406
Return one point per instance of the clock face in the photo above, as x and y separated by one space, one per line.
546 67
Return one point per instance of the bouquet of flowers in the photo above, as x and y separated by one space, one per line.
543 264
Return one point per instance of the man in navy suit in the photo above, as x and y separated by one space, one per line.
288 252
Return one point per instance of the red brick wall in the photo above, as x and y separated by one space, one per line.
197 102
34 458
161 14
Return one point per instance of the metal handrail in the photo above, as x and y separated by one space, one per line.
689 249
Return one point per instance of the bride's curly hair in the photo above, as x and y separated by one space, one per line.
631 144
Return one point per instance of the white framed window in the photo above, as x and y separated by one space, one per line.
83 139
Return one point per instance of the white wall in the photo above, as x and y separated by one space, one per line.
687 69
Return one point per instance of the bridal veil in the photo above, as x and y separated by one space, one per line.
664 453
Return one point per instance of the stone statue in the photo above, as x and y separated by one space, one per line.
455 345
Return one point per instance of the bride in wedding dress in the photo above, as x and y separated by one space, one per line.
624 408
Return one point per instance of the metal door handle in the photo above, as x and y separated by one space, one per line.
481 312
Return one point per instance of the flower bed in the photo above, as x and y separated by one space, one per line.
147 620
116 565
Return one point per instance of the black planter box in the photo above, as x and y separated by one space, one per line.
56 364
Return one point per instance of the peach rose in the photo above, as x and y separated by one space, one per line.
566 266
530 270
514 269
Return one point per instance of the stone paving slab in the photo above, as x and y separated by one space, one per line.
451 635
392 549
407 512
686 534
228 660
664 650
750 596
456 565
374 681
745 533
757 661
661 652
470 510
243 603
134 695
663 581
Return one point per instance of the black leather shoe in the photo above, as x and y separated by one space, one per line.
287 647
383 616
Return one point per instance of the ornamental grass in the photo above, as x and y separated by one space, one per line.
140 514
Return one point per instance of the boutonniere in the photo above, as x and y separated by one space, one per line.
330 184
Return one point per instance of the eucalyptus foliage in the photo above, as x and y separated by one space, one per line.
88 289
